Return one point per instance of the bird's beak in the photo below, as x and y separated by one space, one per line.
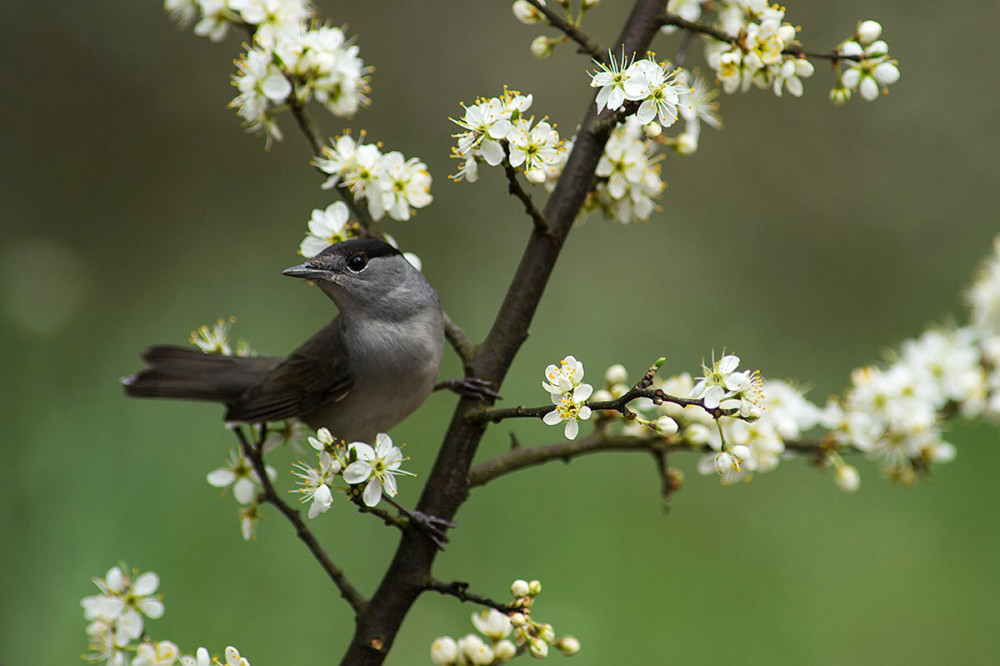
307 271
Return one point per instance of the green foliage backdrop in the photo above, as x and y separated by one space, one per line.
805 238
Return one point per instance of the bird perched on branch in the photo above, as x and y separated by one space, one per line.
361 374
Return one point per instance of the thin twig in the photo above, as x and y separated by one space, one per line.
514 187
350 594
586 44
658 445
461 592
495 415
460 342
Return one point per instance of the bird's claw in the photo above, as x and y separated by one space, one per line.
432 526
471 387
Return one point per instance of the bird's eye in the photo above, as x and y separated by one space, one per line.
357 263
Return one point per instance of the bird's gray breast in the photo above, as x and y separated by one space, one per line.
394 366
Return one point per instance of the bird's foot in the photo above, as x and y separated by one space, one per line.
470 387
433 527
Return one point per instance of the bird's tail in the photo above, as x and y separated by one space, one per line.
182 372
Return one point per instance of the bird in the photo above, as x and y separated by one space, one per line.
368 369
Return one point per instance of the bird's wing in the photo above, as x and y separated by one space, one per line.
314 374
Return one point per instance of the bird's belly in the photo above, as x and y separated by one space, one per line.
379 399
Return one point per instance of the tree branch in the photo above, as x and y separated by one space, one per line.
460 591
531 456
447 485
336 574
586 44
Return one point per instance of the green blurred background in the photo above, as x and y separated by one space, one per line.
804 237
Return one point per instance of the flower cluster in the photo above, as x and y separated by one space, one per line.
655 85
868 69
215 339
116 625
724 387
496 129
509 634
631 168
757 57
289 62
568 393
893 413
357 463
391 184
296 67
245 482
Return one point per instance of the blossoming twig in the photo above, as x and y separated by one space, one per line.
794 50
587 45
460 591
347 590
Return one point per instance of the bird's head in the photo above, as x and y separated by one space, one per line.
370 276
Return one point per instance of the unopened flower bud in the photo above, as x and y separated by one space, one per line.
525 12
685 144
652 129
568 645
602 395
616 374
539 649
618 390
590 4
666 426
851 48
869 31
518 619
723 462
535 588
444 651
519 588
847 478
547 633
840 95
541 47
505 650
535 176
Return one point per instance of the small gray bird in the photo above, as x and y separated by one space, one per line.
361 374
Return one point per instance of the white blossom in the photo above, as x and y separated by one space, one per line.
378 466
326 227
239 474
214 339
564 377
569 408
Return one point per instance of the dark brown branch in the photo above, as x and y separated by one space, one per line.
336 574
447 485
514 187
586 44
461 592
